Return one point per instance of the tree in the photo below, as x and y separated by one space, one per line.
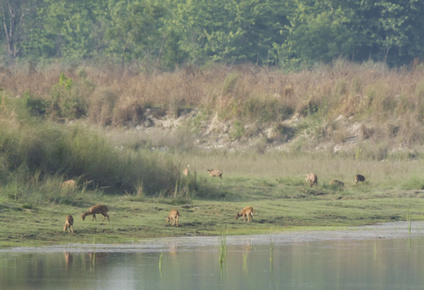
230 31
320 31
14 14
134 31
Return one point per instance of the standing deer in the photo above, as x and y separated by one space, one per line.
186 171
359 178
97 209
312 179
215 173
173 216
246 212
69 224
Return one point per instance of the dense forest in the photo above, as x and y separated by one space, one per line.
163 34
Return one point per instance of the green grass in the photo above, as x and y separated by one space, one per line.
278 207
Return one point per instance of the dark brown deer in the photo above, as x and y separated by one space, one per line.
359 178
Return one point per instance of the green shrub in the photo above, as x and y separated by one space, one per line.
237 130
34 152
68 100
37 107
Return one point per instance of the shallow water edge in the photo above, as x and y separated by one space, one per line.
395 230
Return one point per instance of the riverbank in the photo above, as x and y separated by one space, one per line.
393 230
280 207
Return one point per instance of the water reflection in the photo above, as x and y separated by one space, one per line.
68 258
273 263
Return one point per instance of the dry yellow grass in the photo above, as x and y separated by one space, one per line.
390 99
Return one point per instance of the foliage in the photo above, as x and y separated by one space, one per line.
163 34
33 152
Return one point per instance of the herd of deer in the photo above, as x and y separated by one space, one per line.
312 179
246 213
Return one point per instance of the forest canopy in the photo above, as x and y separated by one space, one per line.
163 34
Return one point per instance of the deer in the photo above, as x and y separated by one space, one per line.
359 178
336 182
312 179
71 184
69 224
173 216
246 212
215 173
186 171
97 209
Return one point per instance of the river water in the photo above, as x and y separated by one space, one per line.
388 256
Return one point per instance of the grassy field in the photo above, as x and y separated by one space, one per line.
83 124
273 185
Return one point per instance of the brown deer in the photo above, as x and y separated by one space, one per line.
246 212
215 173
97 209
312 179
69 184
336 182
69 224
359 178
186 171
173 216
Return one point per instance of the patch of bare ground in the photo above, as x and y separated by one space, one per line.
191 130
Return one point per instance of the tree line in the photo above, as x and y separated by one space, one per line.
164 34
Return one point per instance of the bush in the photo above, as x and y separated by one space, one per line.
33 152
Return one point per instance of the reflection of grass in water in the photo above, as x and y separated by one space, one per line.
245 256
271 254
160 264
222 249
271 251
94 253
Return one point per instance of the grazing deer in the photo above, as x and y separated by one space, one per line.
312 179
336 182
215 173
359 178
246 212
69 224
69 184
97 209
173 216
186 171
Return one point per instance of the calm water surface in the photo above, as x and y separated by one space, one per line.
378 257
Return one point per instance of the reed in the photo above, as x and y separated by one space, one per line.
222 241
271 254
160 264
245 257
409 219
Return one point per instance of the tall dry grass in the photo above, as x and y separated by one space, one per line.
389 101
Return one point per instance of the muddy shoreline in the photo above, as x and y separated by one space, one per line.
395 230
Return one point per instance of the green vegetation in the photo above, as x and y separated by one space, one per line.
278 208
93 126
159 35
